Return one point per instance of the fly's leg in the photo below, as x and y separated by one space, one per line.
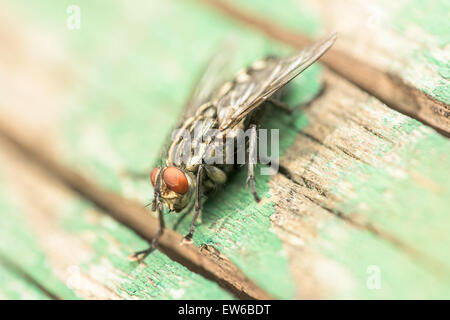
140 255
188 237
290 110
183 215
281 105
252 149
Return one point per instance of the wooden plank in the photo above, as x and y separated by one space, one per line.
295 249
15 286
73 250
404 61
364 188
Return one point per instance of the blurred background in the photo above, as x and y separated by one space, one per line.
99 85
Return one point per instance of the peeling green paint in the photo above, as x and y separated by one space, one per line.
431 16
160 279
409 198
355 252
431 22
18 244
427 20
441 91
113 125
443 66
119 120
15 287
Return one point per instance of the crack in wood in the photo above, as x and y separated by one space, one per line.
376 134
421 257
351 155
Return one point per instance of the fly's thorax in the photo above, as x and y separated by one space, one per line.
190 141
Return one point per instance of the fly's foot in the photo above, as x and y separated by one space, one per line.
251 180
134 257
186 240
256 197
139 256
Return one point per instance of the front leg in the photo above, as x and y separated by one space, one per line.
252 158
198 190
141 255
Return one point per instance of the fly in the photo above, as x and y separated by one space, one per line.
219 109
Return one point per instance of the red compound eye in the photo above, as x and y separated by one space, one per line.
153 175
176 180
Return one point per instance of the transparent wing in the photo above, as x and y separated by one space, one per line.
216 72
263 79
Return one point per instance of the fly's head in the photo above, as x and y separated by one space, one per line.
174 187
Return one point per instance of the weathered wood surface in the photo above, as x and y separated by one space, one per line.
362 188
369 191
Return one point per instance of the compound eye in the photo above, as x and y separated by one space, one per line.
176 180
153 175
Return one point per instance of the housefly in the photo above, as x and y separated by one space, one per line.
217 110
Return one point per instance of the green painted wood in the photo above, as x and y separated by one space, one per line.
409 198
232 222
431 20
160 278
15 287
380 205
18 244
102 251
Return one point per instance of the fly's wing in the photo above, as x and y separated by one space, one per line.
259 82
216 72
